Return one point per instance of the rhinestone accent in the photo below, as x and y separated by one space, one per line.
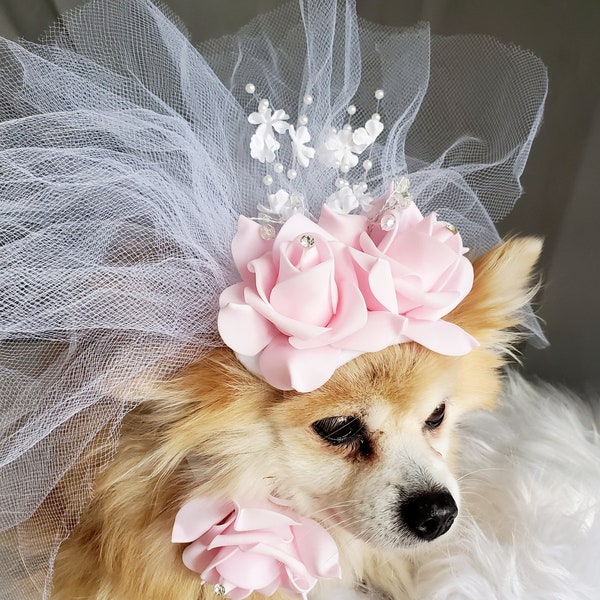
219 589
307 241
387 222
266 231
451 228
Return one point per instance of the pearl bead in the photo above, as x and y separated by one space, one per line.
278 167
340 182
367 165
250 88
379 94
347 127
387 222
292 174
308 99
263 105
344 168
267 180
302 119
376 117
362 186
351 110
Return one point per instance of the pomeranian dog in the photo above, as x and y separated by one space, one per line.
369 454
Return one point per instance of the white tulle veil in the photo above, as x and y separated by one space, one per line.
124 164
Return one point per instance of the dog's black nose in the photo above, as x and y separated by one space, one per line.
429 515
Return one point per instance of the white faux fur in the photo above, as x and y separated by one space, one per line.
530 526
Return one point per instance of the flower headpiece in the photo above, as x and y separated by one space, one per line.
315 295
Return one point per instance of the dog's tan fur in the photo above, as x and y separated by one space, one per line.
217 430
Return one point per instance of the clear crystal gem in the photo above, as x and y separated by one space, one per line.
307 240
267 231
387 222
406 200
219 589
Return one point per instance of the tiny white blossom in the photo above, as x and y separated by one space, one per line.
282 204
343 201
363 137
263 144
363 199
336 149
300 137
263 147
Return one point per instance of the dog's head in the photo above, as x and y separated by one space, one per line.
371 450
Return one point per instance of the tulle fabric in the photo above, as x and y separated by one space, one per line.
124 164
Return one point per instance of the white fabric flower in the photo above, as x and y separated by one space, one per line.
300 137
282 204
263 144
343 201
336 150
363 199
363 137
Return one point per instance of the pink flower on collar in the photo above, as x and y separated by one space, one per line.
261 547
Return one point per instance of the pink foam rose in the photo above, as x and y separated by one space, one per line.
262 546
411 277
293 304
302 311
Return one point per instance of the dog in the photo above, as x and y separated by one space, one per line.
369 455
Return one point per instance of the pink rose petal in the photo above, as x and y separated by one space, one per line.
247 244
198 516
235 316
286 368
441 336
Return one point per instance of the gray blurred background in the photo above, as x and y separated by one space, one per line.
562 179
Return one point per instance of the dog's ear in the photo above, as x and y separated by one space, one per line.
502 288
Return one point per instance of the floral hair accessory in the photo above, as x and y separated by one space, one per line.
261 546
318 295
314 296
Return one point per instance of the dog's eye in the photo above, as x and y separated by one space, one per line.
338 430
436 418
